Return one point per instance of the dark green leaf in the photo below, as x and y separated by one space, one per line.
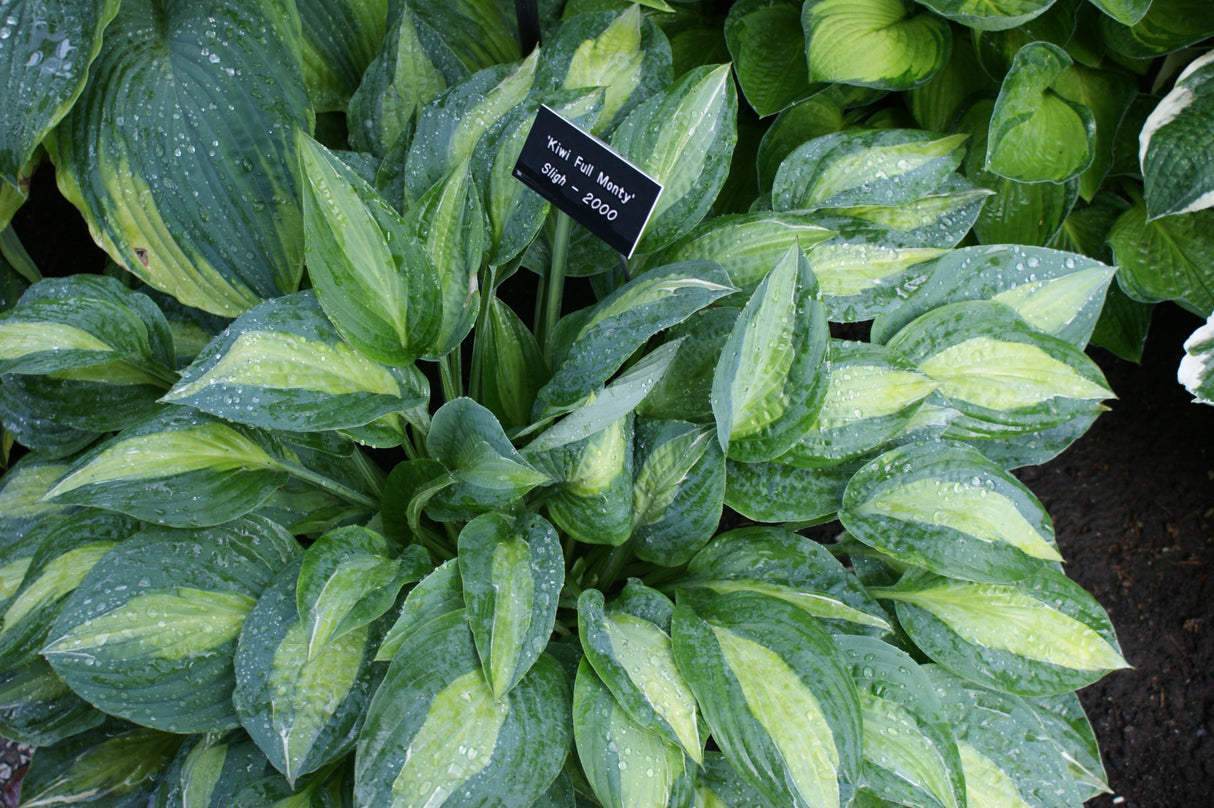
989 15
768 47
777 492
1166 259
339 40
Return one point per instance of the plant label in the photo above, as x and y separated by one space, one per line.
588 180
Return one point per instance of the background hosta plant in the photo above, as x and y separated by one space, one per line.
362 477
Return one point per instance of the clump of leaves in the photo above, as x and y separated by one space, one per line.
249 557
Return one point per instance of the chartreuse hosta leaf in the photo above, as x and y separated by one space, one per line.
113 766
196 207
21 508
626 763
302 707
211 770
282 365
768 50
989 15
784 565
435 596
624 321
46 60
860 280
683 137
635 659
513 368
372 276
348 580
436 735
339 40
1108 95
1001 374
1068 726
770 379
1196 365
1059 293
948 509
677 492
38 709
775 693
204 471
1040 636
512 575
150 633
1036 133
886 44
876 167
910 753
872 395
1177 133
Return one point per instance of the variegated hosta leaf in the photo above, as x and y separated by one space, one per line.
513 367
23 411
1058 293
38 709
371 274
770 380
768 50
1000 373
1036 133
887 44
282 365
1038 637
434 730
1108 95
339 40
1167 258
775 693
1068 726
1167 26
861 280
150 633
677 492
872 396
947 509
46 56
802 122
989 15
1126 12
302 707
684 391
1006 753
619 325
348 580
196 207
746 245
211 771
777 492
512 575
623 52
683 137
718 785
480 33
635 659
438 594
910 753
779 563
202 471
314 791
1196 364
874 167
112 766
939 219
626 763
22 507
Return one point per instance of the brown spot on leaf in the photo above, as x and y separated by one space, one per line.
142 255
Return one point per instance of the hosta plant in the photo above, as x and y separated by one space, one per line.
365 478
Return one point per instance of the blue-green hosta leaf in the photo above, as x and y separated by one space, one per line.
1037 134
23 412
684 138
622 52
626 763
817 115
311 792
989 15
282 365
860 281
770 379
685 390
872 395
1068 726
302 706
774 691
949 510
180 468
348 581
438 594
1167 26
372 277
512 575
719 784
876 167
1167 258
910 754
779 492
109 767
1177 133
434 731
1001 374
1058 293
150 633
635 659
192 204
768 50
678 490
339 41
481 33
38 709
784 565
1196 365
46 55
624 321
886 44
1126 12
746 245
1038 637
211 771
513 368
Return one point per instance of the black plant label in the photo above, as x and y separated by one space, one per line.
587 179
